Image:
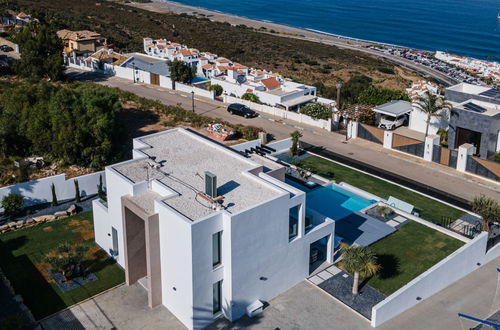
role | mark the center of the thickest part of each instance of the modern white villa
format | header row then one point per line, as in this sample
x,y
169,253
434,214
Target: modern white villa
x,y
207,231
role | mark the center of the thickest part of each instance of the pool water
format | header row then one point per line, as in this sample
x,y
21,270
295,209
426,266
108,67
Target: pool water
x,y
198,79
336,202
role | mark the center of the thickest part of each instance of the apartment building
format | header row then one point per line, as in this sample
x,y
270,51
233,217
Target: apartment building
x,y
208,232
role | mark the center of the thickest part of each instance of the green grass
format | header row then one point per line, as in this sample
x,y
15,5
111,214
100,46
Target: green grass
x,y
23,250
429,209
407,253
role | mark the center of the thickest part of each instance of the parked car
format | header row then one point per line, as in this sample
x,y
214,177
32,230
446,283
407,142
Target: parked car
x,y
5,48
241,110
390,122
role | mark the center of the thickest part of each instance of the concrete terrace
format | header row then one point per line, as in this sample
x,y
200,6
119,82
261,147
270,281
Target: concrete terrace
x,y
185,158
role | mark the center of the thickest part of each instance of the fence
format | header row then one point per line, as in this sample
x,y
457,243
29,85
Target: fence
x,y
483,167
460,227
298,117
371,133
408,145
39,191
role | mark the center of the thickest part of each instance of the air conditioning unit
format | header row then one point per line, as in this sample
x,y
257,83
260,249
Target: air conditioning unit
x,y
210,184
255,308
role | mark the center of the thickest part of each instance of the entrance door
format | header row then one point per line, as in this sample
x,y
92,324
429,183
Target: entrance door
x,y
155,79
467,136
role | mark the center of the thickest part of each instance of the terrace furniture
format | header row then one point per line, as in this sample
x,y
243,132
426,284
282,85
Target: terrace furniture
x,y
399,204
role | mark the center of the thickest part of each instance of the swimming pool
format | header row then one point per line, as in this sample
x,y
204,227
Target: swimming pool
x,y
336,202
198,79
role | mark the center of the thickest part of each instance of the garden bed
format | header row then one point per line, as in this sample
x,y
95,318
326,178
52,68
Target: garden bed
x,y
23,253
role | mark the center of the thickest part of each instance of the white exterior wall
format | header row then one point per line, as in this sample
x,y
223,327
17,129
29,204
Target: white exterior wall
x,y
197,91
176,263
39,191
418,121
457,265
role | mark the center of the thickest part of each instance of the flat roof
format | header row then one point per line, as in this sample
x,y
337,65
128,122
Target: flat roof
x,y
394,108
185,157
479,107
468,88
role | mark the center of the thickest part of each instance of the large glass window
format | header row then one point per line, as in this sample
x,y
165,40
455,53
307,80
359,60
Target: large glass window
x,y
216,249
217,288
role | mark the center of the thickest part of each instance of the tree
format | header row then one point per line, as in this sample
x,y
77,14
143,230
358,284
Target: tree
x,y
488,209
181,72
316,111
250,97
359,260
375,95
77,192
294,149
12,203
432,105
54,196
217,88
41,52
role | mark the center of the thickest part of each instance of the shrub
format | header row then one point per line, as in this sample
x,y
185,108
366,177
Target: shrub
x,y
250,97
384,211
12,203
217,88
386,70
375,95
68,260
496,158
316,111
250,132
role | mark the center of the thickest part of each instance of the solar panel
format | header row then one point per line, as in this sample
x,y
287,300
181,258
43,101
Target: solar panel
x,y
474,107
494,93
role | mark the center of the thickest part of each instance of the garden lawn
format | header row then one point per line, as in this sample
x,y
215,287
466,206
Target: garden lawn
x,y
22,254
429,208
407,253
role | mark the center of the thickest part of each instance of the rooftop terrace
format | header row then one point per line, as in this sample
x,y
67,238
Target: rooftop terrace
x,y
185,157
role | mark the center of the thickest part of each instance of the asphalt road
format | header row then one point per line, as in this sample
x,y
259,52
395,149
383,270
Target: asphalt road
x,y
434,175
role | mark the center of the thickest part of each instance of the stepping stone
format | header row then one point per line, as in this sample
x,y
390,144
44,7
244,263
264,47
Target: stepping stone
x,y
325,275
316,280
399,219
334,270
393,223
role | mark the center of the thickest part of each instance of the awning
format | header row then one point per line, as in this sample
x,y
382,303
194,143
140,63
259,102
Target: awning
x,y
394,108
298,100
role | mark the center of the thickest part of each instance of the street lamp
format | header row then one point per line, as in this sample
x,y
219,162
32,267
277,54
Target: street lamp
x,y
192,99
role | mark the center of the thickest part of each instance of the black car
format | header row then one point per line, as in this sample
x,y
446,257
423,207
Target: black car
x,y
241,110
5,48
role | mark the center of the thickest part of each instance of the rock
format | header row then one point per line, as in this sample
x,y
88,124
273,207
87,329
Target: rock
x,y
4,227
60,214
30,221
71,209
12,224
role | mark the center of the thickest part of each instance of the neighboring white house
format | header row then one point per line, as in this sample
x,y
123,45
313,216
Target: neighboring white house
x,y
207,231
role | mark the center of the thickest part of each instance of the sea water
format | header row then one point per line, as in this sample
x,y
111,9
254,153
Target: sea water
x,y
463,27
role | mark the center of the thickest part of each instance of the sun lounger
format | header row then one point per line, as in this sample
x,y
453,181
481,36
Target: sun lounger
x,y
399,204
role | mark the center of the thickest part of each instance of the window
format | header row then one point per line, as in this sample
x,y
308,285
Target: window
x,y
217,288
293,222
216,249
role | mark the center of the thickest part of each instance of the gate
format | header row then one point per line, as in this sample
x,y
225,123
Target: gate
x,y
483,167
408,145
371,133
154,79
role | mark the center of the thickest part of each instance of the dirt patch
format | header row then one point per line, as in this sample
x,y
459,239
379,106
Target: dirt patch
x,y
84,228
47,229
141,122
96,252
43,269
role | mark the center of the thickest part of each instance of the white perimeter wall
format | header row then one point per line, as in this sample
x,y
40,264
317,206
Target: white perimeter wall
x,y
295,116
457,265
39,191
197,91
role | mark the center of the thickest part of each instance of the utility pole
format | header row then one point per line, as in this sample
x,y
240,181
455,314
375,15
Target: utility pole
x,y
192,98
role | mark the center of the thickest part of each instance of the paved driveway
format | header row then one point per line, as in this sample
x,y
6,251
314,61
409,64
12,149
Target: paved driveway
x,y
125,307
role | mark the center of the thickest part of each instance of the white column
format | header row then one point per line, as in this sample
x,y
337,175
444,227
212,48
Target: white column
x,y
301,230
329,249
388,139
430,142
464,151
352,130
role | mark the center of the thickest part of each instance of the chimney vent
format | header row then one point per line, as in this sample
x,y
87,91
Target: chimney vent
x,y
210,184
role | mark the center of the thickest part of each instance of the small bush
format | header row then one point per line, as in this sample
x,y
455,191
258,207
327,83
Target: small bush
x,y
217,88
497,157
12,203
316,111
386,70
250,132
250,97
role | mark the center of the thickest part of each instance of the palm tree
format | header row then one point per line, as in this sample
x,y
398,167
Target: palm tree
x,y
294,149
488,209
432,105
359,260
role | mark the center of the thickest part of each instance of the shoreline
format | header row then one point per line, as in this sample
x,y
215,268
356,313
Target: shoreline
x,y
288,31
